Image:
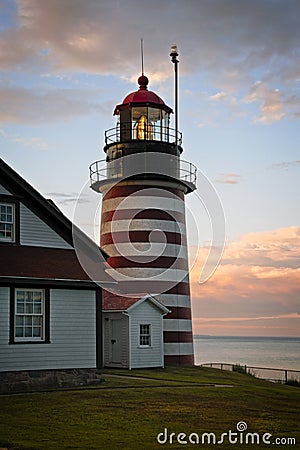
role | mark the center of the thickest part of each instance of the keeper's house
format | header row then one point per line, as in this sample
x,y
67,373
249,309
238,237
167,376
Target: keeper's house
x,y
50,311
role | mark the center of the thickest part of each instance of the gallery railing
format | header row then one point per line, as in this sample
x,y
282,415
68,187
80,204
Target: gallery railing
x,y
129,131
178,169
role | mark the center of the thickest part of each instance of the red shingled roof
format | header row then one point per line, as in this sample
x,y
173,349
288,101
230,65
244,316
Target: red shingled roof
x,y
113,302
39,262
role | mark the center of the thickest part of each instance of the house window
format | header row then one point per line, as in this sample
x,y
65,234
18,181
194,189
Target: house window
x,y
7,222
29,315
145,335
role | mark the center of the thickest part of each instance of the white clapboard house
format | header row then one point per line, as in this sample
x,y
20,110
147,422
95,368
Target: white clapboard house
x,y
50,310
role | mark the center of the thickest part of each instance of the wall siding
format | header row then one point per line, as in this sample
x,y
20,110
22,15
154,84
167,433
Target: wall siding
x,y
72,334
146,357
4,191
35,232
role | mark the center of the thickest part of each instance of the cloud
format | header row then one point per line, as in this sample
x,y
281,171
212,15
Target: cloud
x,y
223,106
103,37
239,40
286,164
219,96
228,178
275,103
67,198
38,106
277,325
271,102
249,319
258,278
32,142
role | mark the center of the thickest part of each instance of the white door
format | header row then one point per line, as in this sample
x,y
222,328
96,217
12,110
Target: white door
x,y
115,341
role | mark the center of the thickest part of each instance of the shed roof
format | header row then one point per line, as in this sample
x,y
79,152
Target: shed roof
x,y
112,302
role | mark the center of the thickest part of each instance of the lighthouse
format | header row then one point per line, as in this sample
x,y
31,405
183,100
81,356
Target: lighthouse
x,y
144,181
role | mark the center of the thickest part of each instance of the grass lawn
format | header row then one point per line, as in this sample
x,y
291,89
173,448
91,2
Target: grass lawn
x,y
129,412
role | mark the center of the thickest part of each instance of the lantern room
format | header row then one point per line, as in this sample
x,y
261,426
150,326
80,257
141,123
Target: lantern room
x,y
142,115
143,131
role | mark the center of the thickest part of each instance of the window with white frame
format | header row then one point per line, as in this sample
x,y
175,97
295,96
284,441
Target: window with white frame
x,y
7,222
145,335
29,315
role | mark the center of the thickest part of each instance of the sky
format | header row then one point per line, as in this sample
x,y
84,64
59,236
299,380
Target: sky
x,y
65,64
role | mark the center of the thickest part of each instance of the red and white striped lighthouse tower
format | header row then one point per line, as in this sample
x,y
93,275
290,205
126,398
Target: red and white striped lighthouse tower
x,y
144,181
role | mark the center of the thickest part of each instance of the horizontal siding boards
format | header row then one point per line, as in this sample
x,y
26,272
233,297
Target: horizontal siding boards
x,y
33,231
3,191
146,313
72,334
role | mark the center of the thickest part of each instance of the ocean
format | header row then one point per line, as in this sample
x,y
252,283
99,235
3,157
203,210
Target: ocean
x,y
274,352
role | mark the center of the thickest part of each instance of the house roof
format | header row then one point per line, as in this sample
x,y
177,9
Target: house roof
x,y
43,262
112,302
40,262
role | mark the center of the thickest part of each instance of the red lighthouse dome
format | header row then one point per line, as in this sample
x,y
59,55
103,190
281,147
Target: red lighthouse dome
x,y
144,96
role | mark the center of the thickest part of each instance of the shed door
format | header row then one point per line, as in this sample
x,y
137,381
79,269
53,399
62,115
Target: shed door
x,y
115,340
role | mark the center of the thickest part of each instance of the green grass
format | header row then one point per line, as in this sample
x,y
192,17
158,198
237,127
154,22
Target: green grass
x,y
128,413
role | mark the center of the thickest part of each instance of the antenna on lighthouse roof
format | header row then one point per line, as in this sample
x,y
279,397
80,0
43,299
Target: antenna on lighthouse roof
x,y
142,55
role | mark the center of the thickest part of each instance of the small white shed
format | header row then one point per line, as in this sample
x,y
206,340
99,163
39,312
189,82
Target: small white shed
x,y
132,332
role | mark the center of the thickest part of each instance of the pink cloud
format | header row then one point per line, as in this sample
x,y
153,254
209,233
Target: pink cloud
x,y
257,284
229,178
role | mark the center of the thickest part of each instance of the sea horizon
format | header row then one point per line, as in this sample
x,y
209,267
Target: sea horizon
x,y
281,352
243,336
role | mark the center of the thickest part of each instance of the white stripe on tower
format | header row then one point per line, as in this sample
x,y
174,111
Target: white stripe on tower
x,y
142,201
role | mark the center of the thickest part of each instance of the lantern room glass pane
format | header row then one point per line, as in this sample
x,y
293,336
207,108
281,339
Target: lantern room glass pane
x,y
154,115
138,112
143,128
165,126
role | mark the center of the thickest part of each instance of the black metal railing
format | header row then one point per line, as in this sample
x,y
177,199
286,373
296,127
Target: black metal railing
x,y
266,373
178,169
129,131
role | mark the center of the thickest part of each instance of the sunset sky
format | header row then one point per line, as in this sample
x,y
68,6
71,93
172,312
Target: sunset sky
x,y
65,64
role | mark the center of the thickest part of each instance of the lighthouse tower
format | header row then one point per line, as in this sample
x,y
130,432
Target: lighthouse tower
x,y
143,181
